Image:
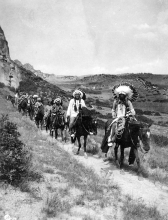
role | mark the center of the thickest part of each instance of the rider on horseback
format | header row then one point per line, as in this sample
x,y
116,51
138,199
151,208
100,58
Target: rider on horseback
x,y
22,97
75,105
38,103
56,109
122,106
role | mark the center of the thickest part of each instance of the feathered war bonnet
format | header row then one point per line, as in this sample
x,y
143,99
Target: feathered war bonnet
x,y
127,89
77,91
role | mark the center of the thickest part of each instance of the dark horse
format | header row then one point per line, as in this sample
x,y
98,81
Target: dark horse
x,y
22,106
39,115
59,123
12,99
134,132
85,124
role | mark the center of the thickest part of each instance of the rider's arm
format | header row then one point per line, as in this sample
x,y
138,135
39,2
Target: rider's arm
x,y
69,108
131,108
113,111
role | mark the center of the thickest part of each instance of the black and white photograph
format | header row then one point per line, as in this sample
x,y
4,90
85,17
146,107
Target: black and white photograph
x,y
83,110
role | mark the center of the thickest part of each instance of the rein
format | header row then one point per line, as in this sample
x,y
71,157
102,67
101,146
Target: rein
x,y
83,125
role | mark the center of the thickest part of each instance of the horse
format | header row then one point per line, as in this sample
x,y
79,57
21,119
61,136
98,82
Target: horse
x,y
30,108
48,122
22,106
12,99
39,115
133,133
59,123
84,126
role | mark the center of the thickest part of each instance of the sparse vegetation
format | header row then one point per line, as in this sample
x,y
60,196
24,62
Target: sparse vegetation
x,y
62,173
140,211
15,157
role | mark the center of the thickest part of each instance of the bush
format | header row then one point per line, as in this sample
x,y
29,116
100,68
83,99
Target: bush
x,y
161,141
2,85
14,158
12,89
144,119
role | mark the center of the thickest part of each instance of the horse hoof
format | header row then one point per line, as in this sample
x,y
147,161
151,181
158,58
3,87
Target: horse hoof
x,y
105,159
122,172
117,164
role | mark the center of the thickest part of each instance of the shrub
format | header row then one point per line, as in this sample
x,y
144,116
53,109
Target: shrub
x,y
2,85
144,119
139,111
12,89
14,158
161,141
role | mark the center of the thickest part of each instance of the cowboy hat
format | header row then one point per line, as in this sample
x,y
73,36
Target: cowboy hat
x,y
35,96
58,99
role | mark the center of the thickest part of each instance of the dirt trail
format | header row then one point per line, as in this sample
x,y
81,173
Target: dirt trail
x,y
130,184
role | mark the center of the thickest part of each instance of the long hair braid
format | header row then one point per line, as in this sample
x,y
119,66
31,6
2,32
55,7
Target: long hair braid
x,y
75,107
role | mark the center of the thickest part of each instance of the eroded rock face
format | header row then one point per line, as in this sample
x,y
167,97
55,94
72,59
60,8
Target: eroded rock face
x,y
9,72
4,49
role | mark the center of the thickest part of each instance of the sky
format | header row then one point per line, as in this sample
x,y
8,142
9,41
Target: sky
x,y
79,37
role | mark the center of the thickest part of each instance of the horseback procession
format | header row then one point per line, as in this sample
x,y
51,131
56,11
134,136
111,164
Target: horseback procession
x,y
122,131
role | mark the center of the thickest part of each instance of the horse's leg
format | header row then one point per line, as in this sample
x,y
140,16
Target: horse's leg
x,y
84,145
62,135
121,156
56,133
79,145
116,155
137,160
41,124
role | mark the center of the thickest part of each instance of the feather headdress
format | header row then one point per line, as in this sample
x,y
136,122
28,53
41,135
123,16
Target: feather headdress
x,y
127,89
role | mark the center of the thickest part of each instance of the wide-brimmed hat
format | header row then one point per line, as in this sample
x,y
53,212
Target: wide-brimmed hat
x,y
77,92
35,96
126,89
57,100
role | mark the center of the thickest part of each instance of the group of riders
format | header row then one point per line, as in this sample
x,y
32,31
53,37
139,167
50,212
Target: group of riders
x,y
122,106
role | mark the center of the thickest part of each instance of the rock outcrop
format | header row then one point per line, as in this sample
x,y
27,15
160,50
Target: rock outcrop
x,y
9,72
4,49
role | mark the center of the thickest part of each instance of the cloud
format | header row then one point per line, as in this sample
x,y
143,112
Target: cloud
x,y
144,26
150,36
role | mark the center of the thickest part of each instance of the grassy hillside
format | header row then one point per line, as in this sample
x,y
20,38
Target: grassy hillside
x,y
67,189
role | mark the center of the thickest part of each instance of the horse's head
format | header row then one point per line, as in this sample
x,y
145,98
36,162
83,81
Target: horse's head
x,y
144,136
28,102
60,119
94,125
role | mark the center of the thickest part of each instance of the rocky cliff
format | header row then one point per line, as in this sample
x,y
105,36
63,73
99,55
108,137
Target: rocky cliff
x,y
4,49
9,72
24,77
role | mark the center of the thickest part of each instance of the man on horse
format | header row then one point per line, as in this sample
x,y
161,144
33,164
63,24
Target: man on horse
x,y
38,103
75,105
122,107
56,109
